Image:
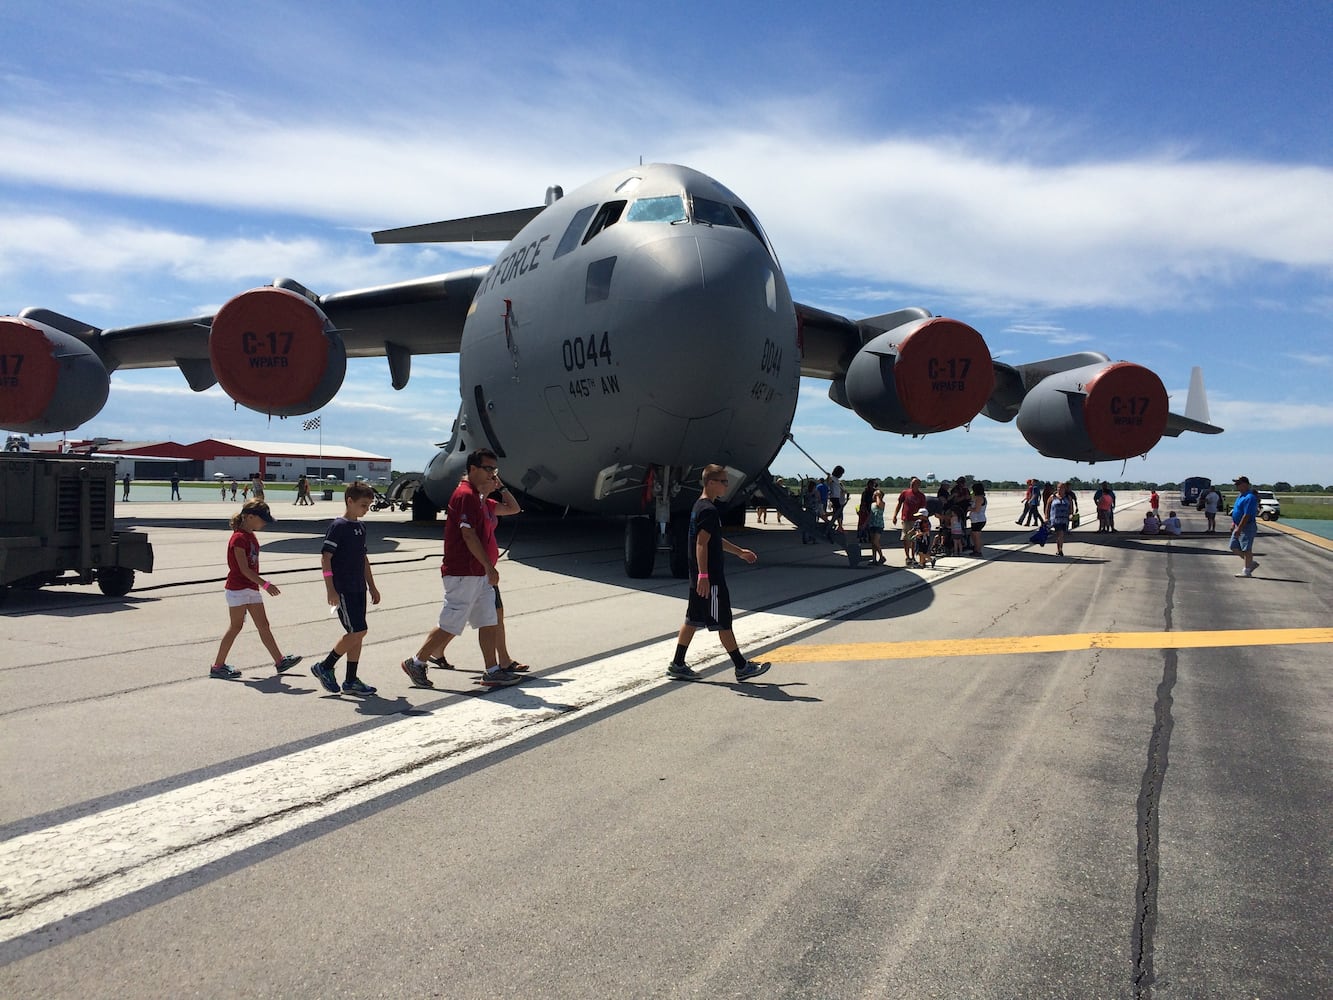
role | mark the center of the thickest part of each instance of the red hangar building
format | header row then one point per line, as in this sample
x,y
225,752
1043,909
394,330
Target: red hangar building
x,y
276,461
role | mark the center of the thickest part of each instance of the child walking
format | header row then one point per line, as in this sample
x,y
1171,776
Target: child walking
x,y
243,588
347,576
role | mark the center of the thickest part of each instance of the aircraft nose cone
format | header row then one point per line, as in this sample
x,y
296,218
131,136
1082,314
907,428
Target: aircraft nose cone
x,y
714,297
715,342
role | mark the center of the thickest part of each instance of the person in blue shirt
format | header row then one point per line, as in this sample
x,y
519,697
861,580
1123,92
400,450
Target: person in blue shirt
x,y
1245,524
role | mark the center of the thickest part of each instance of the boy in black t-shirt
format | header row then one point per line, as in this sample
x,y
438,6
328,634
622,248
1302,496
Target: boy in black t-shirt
x,y
347,575
709,602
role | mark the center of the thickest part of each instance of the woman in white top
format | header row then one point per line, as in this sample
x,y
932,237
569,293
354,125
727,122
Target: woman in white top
x,y
977,515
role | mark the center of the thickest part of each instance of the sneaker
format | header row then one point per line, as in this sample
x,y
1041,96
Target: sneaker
x,y
442,663
324,674
499,677
223,672
357,686
680,672
287,662
1246,572
751,670
417,671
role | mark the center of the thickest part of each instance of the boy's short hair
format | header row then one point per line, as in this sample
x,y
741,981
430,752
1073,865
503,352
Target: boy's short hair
x,y
478,458
358,491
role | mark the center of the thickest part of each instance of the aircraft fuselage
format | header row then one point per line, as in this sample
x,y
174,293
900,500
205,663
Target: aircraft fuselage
x,y
642,321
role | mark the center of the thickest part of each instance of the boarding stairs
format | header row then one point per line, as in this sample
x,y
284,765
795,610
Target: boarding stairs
x,y
789,506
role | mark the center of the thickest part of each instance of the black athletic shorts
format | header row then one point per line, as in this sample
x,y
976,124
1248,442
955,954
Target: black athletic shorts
x,y
352,611
712,612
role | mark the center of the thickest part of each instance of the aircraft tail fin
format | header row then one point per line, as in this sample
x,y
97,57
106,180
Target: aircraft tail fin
x,y
1196,403
1196,416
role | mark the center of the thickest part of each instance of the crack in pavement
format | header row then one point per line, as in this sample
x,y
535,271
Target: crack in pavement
x,y
1150,797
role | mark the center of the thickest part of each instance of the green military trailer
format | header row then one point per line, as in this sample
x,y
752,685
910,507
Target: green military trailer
x,y
57,525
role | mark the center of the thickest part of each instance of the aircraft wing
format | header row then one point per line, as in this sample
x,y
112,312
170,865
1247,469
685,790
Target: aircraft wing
x,y
501,226
278,349
424,315
828,342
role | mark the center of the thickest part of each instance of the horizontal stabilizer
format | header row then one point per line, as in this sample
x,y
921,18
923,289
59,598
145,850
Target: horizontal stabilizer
x,y
1177,425
496,227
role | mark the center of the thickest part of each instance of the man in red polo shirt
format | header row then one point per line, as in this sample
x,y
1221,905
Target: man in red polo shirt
x,y
470,575
910,501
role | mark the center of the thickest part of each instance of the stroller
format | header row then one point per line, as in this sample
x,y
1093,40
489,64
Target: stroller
x,y
941,541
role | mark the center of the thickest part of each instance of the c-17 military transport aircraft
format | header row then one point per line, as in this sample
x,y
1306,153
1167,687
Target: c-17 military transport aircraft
x,y
628,334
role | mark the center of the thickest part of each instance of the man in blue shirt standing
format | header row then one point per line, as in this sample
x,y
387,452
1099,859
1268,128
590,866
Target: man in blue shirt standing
x,y
1245,523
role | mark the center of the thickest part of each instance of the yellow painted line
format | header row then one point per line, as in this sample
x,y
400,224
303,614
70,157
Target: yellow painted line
x,y
1305,536
918,649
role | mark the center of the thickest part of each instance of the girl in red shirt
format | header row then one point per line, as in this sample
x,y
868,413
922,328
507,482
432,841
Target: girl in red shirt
x,y
243,588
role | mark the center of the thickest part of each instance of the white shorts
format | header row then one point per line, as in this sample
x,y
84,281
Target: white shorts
x,y
240,598
468,600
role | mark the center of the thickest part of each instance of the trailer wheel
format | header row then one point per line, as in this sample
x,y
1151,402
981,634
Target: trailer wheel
x,y
115,581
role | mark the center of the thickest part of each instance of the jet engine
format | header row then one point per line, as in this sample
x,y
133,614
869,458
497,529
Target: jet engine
x,y
275,351
49,380
926,375
1096,412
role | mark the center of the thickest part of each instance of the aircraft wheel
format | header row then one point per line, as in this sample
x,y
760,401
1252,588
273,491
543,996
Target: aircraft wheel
x,y
640,547
115,581
679,533
422,508
4,592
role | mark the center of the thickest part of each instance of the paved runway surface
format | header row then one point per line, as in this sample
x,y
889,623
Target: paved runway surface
x,y
1099,776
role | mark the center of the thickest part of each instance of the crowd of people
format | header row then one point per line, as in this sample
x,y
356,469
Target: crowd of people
x,y
951,522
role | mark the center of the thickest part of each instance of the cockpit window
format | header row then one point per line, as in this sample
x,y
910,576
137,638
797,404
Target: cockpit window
x,y
752,224
608,216
574,230
670,208
714,213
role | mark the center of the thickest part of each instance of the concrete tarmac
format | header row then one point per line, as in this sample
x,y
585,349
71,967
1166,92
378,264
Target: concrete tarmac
x,y
1111,781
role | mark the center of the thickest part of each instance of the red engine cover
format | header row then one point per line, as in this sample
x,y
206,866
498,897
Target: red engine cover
x,y
49,380
28,372
1125,410
276,352
943,374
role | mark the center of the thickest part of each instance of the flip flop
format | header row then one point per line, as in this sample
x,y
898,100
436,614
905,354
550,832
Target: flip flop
x,y
517,668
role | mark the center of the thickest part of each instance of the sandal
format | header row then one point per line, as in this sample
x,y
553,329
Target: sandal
x,y
517,668
442,663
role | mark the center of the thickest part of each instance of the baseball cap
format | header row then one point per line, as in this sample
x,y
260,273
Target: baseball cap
x,y
922,511
264,514
1241,479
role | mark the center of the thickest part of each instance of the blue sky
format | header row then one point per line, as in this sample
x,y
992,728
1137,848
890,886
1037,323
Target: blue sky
x,y
1154,181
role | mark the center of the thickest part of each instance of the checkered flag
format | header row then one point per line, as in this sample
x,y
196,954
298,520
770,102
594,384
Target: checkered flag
x,y
311,424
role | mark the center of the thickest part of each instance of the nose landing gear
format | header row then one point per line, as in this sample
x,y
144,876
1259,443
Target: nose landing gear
x,y
646,535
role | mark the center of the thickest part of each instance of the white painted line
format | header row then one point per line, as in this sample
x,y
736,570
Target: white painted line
x,y
53,874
